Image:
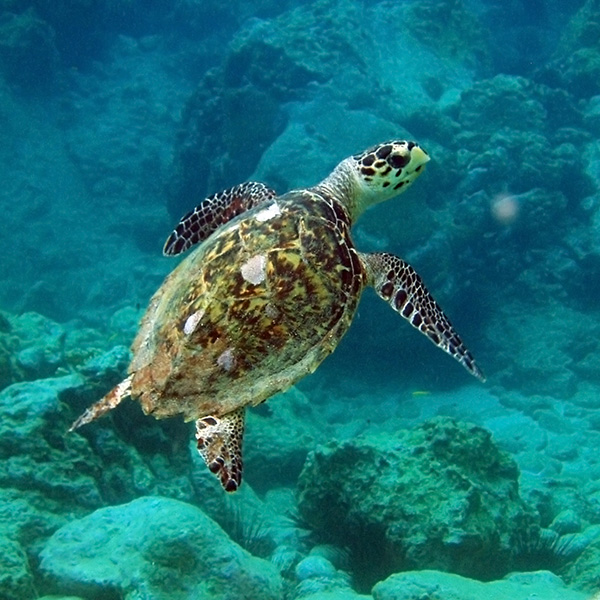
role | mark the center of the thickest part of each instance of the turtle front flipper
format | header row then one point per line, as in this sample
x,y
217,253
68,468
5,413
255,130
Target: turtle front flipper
x,y
214,211
108,402
403,289
220,445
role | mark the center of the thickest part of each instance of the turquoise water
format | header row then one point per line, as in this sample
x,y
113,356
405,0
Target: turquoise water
x,y
389,473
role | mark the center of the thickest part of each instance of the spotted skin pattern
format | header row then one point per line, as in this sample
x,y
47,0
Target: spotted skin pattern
x,y
214,211
380,161
110,401
403,289
219,442
265,297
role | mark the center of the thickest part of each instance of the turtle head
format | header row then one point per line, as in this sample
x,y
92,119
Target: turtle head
x,y
377,174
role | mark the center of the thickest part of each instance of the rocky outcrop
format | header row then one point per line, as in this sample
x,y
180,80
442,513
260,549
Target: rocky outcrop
x,y
441,496
154,548
517,586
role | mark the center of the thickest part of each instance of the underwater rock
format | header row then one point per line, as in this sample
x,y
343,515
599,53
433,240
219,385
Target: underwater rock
x,y
575,65
236,111
16,579
34,347
125,322
439,496
567,521
179,553
31,347
10,371
503,101
314,566
325,52
591,117
515,103
584,572
336,594
39,456
35,452
107,368
60,598
541,367
28,55
302,150
434,584
452,28
285,430
317,576
29,517
515,130
260,528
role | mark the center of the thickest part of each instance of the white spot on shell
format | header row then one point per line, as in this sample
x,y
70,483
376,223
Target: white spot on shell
x,y
254,270
271,311
268,213
192,322
226,360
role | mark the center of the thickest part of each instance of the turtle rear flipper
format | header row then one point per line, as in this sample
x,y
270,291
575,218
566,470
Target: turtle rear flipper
x,y
403,289
214,211
108,402
220,445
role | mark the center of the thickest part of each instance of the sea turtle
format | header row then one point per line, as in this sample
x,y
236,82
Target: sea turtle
x,y
267,294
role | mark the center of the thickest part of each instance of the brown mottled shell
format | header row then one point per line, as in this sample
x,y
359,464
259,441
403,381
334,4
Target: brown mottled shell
x,y
252,310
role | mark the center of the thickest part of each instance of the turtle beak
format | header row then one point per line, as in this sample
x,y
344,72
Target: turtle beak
x,y
419,156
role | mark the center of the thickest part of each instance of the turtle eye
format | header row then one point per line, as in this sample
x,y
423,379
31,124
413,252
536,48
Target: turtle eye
x,y
400,160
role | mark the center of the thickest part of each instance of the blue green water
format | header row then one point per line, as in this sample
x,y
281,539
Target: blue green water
x,y
390,472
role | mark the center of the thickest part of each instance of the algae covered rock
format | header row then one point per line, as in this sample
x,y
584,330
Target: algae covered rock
x,y
451,27
441,496
36,454
33,347
28,55
60,598
154,548
285,430
584,571
510,128
236,111
74,473
446,586
575,64
318,579
16,579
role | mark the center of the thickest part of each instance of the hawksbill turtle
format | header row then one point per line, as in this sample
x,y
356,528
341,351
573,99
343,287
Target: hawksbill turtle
x,y
267,294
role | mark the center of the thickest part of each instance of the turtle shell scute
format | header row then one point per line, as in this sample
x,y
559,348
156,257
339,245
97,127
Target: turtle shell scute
x,y
253,309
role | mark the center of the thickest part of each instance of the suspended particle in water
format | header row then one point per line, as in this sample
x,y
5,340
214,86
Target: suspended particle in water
x,y
505,209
